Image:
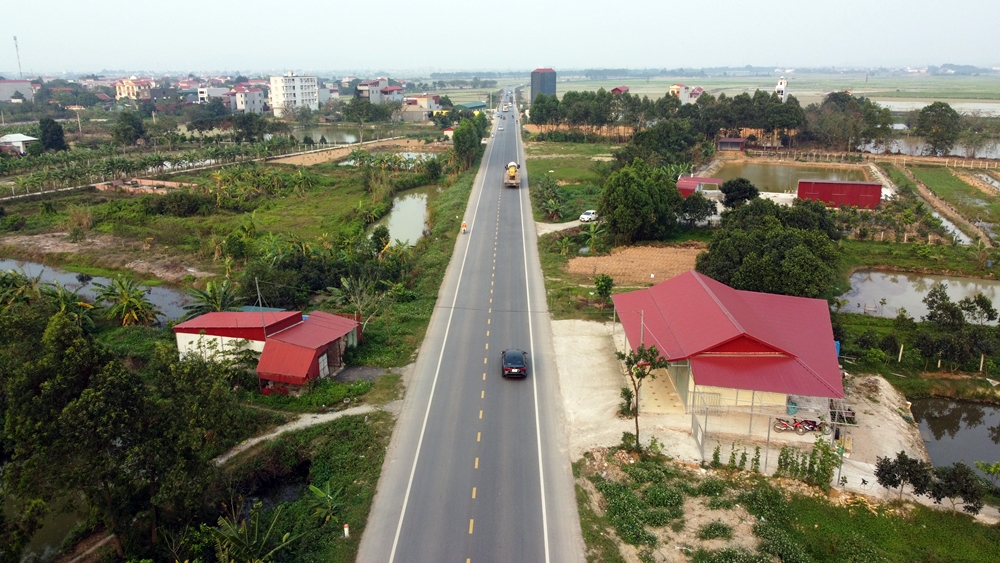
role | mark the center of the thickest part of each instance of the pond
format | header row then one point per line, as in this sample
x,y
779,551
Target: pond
x,y
868,288
55,527
332,133
958,430
785,178
408,217
169,301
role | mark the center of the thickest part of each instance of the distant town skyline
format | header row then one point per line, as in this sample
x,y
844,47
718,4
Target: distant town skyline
x,y
60,36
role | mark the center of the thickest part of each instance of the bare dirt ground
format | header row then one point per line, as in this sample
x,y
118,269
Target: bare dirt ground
x,y
402,145
633,265
111,251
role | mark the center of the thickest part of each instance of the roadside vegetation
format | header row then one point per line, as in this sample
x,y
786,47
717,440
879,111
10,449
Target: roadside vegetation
x,y
650,505
124,414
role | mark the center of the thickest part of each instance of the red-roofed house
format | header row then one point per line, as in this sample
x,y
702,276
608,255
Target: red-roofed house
x,y
392,94
619,90
736,349
687,185
294,349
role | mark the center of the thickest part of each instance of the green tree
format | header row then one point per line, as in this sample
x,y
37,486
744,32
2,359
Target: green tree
x,y
697,208
127,129
639,364
359,111
639,202
127,301
604,283
958,481
249,127
51,137
217,296
738,191
940,125
466,142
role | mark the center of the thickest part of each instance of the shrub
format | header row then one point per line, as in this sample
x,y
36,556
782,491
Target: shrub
x,y
625,512
712,487
662,496
715,530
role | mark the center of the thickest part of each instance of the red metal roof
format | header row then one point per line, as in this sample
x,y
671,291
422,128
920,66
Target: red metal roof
x,y
290,356
866,195
732,140
737,339
240,324
542,70
392,88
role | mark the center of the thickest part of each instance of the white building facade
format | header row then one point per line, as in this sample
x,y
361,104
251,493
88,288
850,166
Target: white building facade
x,y
207,93
243,99
290,92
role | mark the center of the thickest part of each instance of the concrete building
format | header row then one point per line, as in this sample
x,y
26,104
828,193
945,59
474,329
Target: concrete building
x,y
782,89
244,98
9,87
290,92
134,88
206,93
685,93
543,81
327,93
392,94
426,101
371,90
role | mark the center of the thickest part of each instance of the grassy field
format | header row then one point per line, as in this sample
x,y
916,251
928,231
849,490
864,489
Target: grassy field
x,y
572,165
810,88
972,203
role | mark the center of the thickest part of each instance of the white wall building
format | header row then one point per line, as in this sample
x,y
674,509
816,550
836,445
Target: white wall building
x,y
327,93
292,92
207,93
782,89
244,99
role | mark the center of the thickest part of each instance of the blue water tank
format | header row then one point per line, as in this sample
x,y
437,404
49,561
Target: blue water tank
x,y
837,344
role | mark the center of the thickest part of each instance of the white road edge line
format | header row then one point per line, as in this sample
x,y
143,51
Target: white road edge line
x,y
437,371
531,343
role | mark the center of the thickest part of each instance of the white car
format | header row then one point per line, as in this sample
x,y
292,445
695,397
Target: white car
x,y
500,128
588,216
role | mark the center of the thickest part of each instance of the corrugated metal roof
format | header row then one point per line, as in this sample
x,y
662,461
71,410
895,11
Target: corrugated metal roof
x,y
695,317
238,319
286,362
319,329
290,356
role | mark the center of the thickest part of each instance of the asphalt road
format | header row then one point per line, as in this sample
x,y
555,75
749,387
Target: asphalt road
x,y
477,469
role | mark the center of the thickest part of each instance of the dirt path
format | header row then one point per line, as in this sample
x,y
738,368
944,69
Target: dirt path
x,y
546,228
304,421
320,156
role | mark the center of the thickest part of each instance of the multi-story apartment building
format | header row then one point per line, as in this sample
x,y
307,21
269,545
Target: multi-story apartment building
x,y
290,92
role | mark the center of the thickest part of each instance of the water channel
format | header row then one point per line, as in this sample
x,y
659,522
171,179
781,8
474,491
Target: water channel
x,y
169,301
785,178
958,430
408,217
906,290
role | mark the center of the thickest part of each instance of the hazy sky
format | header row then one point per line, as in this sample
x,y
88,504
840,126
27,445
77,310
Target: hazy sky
x,y
443,35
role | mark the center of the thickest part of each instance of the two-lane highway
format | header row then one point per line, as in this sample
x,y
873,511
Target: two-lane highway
x,y
477,470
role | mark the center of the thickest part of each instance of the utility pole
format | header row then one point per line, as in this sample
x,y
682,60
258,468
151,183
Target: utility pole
x,y
18,51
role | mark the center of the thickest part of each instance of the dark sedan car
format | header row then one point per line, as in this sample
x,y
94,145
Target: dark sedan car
x,y
515,363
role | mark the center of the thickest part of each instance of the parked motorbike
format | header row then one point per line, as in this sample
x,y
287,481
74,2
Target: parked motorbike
x,y
782,425
803,426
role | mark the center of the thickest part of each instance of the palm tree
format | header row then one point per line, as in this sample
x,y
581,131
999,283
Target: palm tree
x,y
127,301
71,304
219,296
